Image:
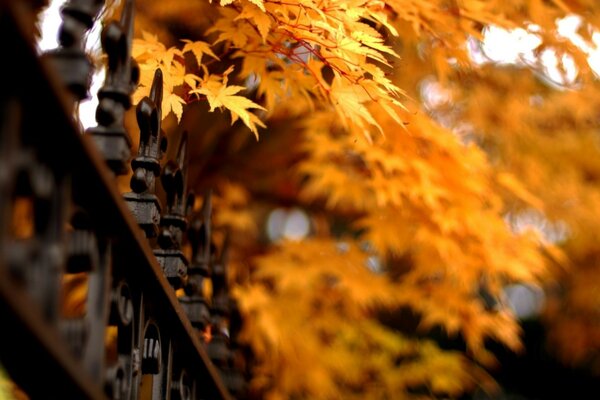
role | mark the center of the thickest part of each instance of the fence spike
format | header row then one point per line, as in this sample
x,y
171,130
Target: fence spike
x,y
143,201
122,77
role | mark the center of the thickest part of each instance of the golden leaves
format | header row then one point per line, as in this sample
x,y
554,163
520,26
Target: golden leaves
x,y
424,196
329,284
198,49
349,101
174,104
433,209
294,45
304,39
231,210
219,94
261,20
548,139
151,54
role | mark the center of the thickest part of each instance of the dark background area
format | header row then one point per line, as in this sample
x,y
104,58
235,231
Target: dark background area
x,y
536,374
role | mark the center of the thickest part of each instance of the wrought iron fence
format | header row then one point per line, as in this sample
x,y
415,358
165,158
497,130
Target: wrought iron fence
x,y
62,218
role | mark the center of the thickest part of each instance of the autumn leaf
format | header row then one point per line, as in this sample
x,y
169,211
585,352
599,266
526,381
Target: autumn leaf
x,y
175,104
349,101
220,95
198,49
260,18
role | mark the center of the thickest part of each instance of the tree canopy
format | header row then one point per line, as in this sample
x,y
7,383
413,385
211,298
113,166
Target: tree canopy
x,y
418,205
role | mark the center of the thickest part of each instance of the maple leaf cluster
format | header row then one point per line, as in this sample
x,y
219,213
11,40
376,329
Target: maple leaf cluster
x,y
178,83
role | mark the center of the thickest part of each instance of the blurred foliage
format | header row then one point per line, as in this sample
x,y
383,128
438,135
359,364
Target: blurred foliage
x,y
348,140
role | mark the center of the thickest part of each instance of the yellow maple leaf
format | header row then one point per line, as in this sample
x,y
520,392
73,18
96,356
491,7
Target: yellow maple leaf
x,y
349,101
219,94
148,45
173,103
260,18
198,49
375,42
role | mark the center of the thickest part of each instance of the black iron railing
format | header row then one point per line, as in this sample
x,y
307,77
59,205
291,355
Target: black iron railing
x,y
62,217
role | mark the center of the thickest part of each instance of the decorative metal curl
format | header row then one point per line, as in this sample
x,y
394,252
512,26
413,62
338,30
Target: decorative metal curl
x,y
151,350
121,380
182,388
